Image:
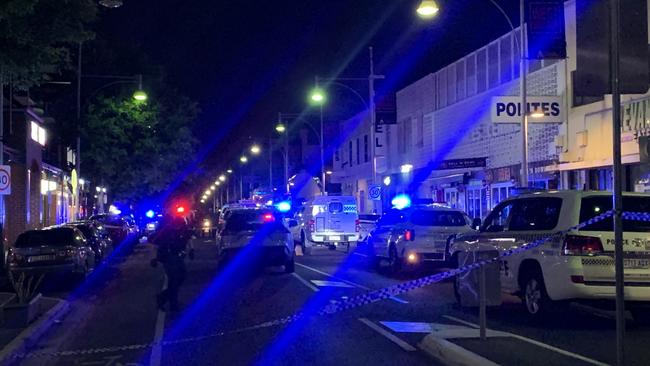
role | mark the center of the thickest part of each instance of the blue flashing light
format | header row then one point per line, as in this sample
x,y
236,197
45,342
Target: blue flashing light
x,y
150,214
401,201
284,206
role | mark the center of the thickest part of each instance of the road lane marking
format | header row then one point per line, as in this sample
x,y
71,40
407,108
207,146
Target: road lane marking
x,y
305,282
156,351
390,336
320,283
537,343
346,281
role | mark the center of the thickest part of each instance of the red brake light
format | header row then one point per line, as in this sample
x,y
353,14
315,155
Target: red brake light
x,y
409,235
582,245
180,209
357,224
268,217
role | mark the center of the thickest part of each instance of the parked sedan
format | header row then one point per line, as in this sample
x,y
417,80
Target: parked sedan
x,y
100,243
117,228
62,249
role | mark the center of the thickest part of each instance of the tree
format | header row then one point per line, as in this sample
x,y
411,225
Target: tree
x,y
35,36
138,149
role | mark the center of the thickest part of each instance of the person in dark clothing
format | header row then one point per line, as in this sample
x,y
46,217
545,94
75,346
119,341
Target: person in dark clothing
x,y
172,240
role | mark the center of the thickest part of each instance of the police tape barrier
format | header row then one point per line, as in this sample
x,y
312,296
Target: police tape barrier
x,y
337,306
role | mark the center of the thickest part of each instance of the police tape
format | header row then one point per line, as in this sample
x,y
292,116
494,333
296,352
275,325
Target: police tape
x,y
337,306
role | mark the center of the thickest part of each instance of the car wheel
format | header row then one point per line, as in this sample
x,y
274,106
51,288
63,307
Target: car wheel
x,y
394,261
534,296
449,259
290,266
303,243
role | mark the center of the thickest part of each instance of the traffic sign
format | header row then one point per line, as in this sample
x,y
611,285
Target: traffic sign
x,y
374,192
5,179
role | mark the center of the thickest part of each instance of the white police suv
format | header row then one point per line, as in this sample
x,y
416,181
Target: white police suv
x,y
573,265
417,234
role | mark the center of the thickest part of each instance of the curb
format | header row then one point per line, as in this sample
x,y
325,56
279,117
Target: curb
x,y
451,354
30,335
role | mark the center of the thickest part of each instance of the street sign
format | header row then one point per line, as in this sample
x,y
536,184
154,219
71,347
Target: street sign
x,y
5,179
508,109
374,192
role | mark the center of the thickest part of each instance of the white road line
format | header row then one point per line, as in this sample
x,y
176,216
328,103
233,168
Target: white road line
x,y
304,281
156,350
537,343
348,282
360,254
391,337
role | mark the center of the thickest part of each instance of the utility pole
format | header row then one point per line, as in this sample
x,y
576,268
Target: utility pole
x,y
77,206
271,164
618,181
2,148
523,71
322,146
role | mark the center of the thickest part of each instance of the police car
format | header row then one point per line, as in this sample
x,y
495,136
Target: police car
x,y
576,265
256,235
417,234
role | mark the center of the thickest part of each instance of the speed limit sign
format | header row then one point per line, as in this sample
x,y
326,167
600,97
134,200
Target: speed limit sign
x,y
5,179
374,192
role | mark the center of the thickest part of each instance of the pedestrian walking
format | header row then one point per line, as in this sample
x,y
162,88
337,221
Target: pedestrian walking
x,y
172,240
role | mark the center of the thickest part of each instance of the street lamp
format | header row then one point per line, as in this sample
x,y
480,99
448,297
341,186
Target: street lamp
x,y
111,3
213,187
140,95
428,9
229,171
255,149
281,128
222,178
317,96
243,159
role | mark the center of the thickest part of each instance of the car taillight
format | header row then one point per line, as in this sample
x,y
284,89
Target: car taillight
x,y
582,245
312,226
409,235
268,217
357,224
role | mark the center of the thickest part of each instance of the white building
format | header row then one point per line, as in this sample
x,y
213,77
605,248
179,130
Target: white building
x,y
445,145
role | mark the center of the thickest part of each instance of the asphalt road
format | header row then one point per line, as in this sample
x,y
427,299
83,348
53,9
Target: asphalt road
x,y
114,319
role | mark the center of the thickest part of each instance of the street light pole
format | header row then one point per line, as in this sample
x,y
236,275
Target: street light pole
x,y
322,146
77,206
524,103
271,163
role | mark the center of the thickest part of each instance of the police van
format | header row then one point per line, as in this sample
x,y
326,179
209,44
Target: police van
x,y
574,265
326,220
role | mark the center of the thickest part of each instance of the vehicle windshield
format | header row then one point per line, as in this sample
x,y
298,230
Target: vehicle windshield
x,y
50,237
438,218
593,206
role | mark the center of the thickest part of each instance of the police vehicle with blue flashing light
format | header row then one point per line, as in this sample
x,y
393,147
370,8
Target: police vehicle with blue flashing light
x,y
326,220
259,235
413,235
573,265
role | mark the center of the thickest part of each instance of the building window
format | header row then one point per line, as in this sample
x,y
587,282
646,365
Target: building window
x,y
505,51
517,58
38,133
350,152
366,155
451,84
401,136
358,152
493,65
481,71
442,88
408,136
470,74
460,80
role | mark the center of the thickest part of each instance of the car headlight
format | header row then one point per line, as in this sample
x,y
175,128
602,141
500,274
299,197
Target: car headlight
x,y
206,223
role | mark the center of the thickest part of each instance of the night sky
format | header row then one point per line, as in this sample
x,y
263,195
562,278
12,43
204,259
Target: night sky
x,y
244,61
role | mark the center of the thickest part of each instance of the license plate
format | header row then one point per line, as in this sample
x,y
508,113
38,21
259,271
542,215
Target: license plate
x,y
335,237
636,263
40,258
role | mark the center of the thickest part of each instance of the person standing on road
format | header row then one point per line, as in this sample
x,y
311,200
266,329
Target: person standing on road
x,y
172,240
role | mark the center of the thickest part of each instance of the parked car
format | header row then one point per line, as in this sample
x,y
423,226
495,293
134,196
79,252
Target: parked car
x,y
326,220
576,265
259,232
100,243
416,235
116,227
61,249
